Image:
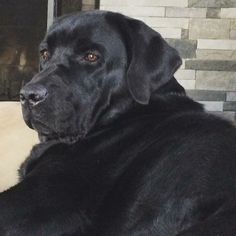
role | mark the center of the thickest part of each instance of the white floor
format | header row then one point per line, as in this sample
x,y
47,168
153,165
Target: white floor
x,y
16,140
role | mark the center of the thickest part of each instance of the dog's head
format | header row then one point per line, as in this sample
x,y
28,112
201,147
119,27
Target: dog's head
x,y
94,65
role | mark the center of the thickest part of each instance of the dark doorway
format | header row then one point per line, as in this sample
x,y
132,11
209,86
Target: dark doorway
x,y
23,24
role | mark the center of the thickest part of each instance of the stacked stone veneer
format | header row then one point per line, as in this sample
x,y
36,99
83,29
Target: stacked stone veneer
x,y
204,33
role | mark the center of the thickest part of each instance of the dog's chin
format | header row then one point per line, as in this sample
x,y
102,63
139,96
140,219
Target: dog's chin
x,y
28,123
46,134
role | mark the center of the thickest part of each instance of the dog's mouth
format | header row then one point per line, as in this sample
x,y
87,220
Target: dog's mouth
x,y
72,138
46,135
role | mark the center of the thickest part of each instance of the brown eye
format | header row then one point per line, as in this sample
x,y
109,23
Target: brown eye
x,y
44,55
91,57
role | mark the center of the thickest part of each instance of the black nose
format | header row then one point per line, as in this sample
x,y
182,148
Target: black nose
x,y
33,94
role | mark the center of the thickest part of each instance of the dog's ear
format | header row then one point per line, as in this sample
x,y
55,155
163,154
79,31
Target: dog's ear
x,y
151,61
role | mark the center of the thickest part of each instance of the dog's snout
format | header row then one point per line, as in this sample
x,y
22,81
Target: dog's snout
x,y
33,94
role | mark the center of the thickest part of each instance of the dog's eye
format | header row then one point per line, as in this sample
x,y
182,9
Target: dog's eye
x,y
91,57
44,54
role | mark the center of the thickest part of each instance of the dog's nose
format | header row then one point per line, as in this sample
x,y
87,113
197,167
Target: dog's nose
x,y
33,94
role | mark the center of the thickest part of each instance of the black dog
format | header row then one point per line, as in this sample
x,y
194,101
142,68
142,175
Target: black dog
x,y
123,151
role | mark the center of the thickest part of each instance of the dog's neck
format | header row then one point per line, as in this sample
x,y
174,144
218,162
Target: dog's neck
x,y
120,107
161,106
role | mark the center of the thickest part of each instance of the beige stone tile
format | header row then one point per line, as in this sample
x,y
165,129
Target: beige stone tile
x,y
216,44
185,75
165,22
232,34
177,3
233,24
216,54
182,67
209,28
187,84
216,80
228,13
171,33
185,12
136,10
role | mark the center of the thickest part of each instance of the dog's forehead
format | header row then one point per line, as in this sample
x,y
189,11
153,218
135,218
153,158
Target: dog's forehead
x,y
91,25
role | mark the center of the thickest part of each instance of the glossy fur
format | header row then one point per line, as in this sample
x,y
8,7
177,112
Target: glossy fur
x,y
123,152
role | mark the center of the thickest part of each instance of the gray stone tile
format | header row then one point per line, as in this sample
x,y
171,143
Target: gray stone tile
x,y
212,3
229,106
228,115
184,34
212,105
207,95
231,96
211,65
186,48
213,12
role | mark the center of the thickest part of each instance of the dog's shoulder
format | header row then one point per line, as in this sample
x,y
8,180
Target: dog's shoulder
x,y
182,118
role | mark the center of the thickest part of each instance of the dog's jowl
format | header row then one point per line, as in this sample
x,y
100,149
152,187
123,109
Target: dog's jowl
x,y
123,151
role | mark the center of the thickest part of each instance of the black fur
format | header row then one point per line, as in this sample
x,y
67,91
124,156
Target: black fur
x,y
123,151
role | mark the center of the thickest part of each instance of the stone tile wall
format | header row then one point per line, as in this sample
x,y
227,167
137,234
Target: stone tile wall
x,y
204,33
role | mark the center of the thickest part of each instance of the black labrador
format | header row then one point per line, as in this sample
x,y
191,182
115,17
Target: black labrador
x,y
123,151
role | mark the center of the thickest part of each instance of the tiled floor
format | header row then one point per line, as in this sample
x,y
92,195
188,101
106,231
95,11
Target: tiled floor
x,y
16,140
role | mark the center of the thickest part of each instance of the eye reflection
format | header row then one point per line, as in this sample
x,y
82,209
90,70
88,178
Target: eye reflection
x,y
91,57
